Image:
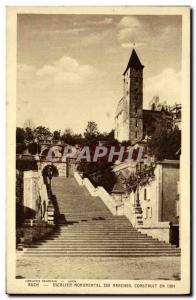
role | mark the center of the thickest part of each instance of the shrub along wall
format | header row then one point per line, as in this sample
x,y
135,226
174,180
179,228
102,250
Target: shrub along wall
x,y
26,165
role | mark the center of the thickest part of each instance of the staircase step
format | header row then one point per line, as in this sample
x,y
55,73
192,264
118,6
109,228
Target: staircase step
x,y
104,245
112,242
139,254
101,251
101,247
98,233
89,229
88,240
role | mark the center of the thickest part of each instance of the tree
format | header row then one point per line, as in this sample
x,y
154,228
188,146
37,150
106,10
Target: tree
x,y
110,135
20,148
165,144
56,135
20,135
67,137
78,139
91,132
105,136
99,173
42,132
140,178
34,148
29,134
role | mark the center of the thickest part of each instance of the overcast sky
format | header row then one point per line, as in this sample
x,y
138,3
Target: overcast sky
x,y
70,66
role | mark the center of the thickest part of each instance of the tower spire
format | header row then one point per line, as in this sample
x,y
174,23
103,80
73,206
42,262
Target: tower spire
x,y
134,62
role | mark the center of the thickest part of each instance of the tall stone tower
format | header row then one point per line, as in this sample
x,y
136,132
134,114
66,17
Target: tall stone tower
x,y
133,93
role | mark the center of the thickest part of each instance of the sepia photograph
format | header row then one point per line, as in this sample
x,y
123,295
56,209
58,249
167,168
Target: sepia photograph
x,y
98,138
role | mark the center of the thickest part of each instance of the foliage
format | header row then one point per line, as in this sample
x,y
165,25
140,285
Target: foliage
x,y
29,135
56,135
42,132
165,144
99,173
106,136
140,178
34,148
20,148
91,132
70,138
26,165
20,135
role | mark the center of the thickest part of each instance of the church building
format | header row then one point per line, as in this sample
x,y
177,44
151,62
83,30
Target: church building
x,y
132,122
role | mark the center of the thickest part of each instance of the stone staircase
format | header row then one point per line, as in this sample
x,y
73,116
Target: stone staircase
x,y
87,228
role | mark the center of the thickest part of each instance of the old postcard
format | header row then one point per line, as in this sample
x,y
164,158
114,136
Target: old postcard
x,y
98,150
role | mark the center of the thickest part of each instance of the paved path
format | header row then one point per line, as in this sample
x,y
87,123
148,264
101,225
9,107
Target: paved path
x,y
99,268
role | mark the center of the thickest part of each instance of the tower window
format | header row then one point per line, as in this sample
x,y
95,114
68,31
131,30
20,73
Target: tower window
x,y
145,194
136,123
136,134
136,109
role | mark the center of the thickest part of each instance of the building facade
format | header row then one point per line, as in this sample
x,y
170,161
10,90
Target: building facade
x,y
153,208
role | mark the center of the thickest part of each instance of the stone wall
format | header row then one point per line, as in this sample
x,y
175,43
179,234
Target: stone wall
x,y
19,187
158,201
170,192
35,196
60,166
136,105
122,121
31,191
34,220
31,233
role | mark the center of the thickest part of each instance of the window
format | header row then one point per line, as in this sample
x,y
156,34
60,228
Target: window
x,y
136,109
136,134
148,212
145,194
136,123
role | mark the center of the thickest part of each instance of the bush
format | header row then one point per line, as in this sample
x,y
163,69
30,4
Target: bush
x,y
166,144
34,148
26,165
99,173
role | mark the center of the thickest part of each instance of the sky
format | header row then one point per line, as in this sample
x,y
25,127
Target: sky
x,y
69,67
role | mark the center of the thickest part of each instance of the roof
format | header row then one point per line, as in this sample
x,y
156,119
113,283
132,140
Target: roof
x,y
156,112
134,62
168,162
118,187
